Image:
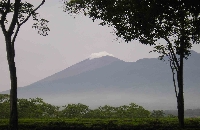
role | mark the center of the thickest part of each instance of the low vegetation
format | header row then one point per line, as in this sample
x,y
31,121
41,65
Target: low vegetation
x,y
35,114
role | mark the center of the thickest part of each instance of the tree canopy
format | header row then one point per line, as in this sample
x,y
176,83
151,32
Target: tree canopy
x,y
146,21
37,108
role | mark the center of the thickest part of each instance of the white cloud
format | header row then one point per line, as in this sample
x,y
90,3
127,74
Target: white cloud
x,y
98,55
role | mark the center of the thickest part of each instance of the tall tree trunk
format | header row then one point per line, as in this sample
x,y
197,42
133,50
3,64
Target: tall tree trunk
x,y
180,85
180,74
13,122
180,95
13,97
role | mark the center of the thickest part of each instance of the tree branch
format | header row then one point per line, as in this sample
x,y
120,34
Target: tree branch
x,y
172,63
1,12
3,17
14,38
32,13
3,27
172,52
15,17
15,35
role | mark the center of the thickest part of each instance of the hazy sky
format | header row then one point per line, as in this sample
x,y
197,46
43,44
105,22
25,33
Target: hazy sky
x,y
69,41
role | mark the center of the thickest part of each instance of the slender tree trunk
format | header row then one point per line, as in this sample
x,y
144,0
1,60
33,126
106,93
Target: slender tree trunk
x,y
180,86
13,122
180,75
13,97
181,97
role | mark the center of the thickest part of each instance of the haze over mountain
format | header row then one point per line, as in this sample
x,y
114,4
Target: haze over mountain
x,y
104,79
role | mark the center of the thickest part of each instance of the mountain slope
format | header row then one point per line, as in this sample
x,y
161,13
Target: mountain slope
x,y
83,66
108,80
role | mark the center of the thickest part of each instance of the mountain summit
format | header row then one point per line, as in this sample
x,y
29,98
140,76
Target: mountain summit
x,y
89,64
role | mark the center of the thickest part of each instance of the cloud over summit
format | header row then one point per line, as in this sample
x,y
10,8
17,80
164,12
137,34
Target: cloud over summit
x,y
100,54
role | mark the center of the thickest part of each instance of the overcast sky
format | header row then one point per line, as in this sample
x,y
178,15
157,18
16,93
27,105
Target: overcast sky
x,y
69,41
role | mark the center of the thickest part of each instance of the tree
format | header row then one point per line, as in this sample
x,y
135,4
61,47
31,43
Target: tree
x,y
28,108
4,105
135,111
157,114
21,13
176,22
132,111
126,111
49,111
107,111
74,110
36,108
122,111
95,113
4,98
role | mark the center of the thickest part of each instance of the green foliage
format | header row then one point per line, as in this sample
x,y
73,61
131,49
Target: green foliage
x,y
107,111
146,21
132,111
28,108
4,98
135,111
34,113
4,106
157,114
171,116
99,124
96,113
74,110
36,108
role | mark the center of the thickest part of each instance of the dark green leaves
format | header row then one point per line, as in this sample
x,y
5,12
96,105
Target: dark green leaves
x,y
41,26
